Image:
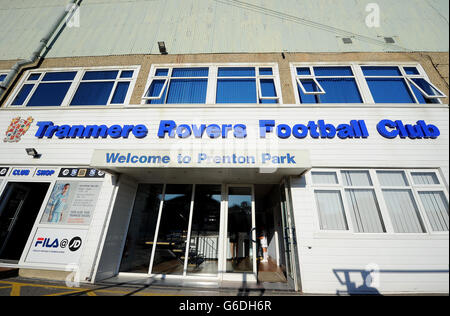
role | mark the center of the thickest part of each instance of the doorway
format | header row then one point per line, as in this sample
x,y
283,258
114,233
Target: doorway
x,y
186,231
19,206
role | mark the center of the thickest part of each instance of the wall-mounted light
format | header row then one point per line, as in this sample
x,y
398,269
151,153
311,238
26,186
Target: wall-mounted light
x,y
162,48
33,152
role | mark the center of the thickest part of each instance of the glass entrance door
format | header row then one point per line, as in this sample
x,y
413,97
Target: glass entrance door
x,y
240,237
19,206
289,237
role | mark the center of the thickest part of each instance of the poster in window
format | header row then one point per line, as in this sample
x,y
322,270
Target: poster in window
x,y
72,203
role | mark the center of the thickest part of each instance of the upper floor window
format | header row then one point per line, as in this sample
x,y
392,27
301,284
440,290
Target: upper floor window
x,y
201,84
364,84
77,87
327,85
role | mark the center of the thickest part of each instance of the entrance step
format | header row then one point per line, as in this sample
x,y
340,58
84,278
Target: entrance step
x,y
44,274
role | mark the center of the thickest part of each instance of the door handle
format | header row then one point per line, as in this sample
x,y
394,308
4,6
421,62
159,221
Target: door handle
x,y
251,233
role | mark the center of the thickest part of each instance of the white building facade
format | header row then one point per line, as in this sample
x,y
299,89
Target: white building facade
x,y
173,167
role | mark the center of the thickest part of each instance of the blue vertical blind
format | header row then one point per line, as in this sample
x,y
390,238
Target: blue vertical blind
x,y
240,85
338,84
184,86
236,91
388,84
95,88
103,87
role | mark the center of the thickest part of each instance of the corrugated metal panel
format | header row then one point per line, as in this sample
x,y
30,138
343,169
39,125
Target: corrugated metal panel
x,y
115,27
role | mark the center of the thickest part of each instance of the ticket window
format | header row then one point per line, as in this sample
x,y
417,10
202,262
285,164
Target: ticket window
x,y
19,206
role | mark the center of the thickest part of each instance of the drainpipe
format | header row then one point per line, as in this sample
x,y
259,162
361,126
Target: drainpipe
x,y
37,53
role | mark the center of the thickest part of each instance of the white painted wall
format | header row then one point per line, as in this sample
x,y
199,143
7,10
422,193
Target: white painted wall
x,y
331,262
321,254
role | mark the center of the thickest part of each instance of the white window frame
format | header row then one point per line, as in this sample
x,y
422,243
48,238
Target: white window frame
x,y
377,188
75,83
361,82
212,81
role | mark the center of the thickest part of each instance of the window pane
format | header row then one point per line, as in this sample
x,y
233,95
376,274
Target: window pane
x,y
392,178
2,77
93,93
303,71
155,91
339,91
59,76
333,71
308,98
390,90
187,91
265,72
237,72
365,212
239,247
141,232
403,210
419,96
426,86
23,94
381,71
411,70
436,208
49,94
127,74
309,85
190,72
324,177
204,245
120,93
236,91
100,75
173,230
162,72
357,178
425,178
268,88
331,210
33,77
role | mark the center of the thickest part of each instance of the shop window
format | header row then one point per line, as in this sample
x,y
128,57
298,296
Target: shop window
x,y
327,85
411,201
78,87
212,85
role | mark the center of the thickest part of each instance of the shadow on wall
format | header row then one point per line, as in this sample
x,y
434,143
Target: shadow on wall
x,y
370,279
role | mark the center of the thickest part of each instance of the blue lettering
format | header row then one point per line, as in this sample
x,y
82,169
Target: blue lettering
x,y
166,127
382,129
265,126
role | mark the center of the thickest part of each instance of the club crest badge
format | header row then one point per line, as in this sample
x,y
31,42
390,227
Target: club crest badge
x,y
17,129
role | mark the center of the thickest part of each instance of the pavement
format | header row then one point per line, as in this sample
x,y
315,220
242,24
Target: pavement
x,y
18,286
